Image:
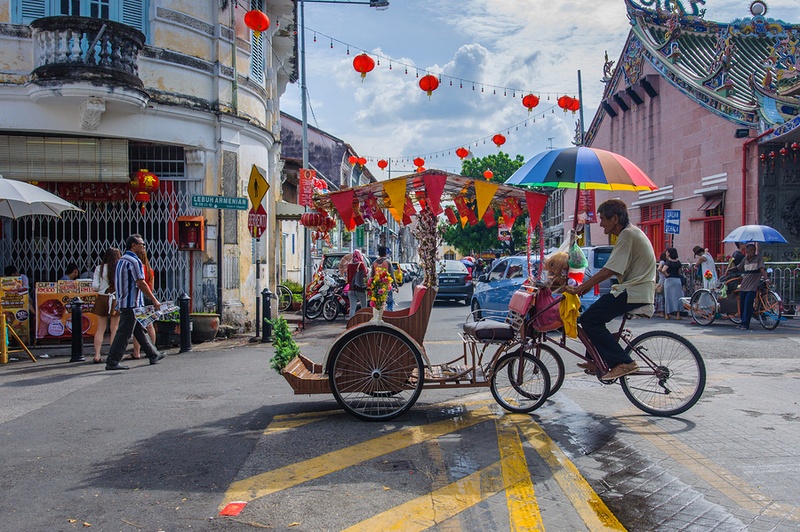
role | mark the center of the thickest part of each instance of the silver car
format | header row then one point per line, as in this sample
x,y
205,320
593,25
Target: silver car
x,y
455,281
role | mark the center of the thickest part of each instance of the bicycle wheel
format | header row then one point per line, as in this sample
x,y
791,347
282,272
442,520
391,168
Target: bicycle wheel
x,y
671,375
284,298
314,308
520,382
375,372
552,361
703,306
768,309
330,309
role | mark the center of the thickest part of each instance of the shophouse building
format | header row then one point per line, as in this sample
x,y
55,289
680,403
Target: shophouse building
x,y
94,91
710,111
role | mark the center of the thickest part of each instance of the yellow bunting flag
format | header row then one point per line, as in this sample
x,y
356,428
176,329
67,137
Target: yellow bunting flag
x,y
484,192
396,194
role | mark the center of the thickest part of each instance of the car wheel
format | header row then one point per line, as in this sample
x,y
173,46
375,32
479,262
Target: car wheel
x,y
475,308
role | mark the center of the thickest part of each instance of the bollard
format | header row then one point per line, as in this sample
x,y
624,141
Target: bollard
x,y
77,330
266,307
186,324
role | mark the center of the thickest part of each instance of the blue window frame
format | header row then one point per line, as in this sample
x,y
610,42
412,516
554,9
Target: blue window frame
x,y
130,12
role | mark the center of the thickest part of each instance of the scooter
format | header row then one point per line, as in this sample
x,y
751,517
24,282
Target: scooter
x,y
336,302
316,300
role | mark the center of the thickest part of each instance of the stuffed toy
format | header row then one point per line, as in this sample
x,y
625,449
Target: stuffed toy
x,y
557,267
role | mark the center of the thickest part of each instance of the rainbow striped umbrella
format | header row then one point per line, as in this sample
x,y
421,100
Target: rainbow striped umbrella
x,y
580,167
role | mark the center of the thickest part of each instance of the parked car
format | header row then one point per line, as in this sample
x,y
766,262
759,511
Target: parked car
x,y
409,273
597,257
455,281
494,289
331,260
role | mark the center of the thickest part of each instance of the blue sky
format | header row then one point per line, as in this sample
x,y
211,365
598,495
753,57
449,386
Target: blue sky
x,y
533,45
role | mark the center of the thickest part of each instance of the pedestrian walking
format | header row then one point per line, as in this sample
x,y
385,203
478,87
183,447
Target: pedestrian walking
x,y
150,279
105,307
751,266
658,302
673,288
357,279
131,286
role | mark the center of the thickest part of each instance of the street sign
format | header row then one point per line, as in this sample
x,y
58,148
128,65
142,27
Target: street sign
x,y
257,221
672,221
219,202
306,188
258,186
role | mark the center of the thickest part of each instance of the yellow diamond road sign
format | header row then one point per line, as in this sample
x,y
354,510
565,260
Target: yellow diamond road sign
x,y
258,186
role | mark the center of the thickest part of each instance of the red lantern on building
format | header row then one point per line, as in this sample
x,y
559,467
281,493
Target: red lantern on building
x,y
784,151
142,184
564,103
352,159
488,174
256,20
363,63
429,84
419,161
574,105
462,153
362,161
382,164
530,101
499,140
795,147
311,219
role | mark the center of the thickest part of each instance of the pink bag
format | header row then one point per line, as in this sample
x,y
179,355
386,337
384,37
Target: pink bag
x,y
549,319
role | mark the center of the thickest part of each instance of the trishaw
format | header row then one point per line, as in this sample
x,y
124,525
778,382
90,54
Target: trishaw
x,y
708,304
378,367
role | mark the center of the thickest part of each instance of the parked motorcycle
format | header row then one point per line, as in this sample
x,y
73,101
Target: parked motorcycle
x,y
336,302
317,293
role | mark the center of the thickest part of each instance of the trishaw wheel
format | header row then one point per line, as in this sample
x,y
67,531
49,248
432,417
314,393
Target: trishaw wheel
x,y
376,373
671,376
520,382
768,307
703,307
552,361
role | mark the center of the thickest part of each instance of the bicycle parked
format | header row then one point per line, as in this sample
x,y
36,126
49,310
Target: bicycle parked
x,y
706,305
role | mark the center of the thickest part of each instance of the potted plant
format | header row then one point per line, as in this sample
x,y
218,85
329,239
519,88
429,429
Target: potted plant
x,y
297,294
168,330
204,326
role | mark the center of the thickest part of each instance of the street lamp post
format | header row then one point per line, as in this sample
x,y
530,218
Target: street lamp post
x,y
379,5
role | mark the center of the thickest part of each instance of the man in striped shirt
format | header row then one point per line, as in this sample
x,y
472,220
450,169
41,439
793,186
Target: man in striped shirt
x,y
130,284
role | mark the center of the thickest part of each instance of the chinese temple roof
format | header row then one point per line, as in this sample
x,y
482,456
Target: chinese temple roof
x,y
745,70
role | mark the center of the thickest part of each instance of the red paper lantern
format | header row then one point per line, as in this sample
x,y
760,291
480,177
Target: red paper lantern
x,y
462,153
488,174
784,152
256,20
530,101
574,105
429,84
382,164
499,140
142,184
362,161
363,63
564,102
352,159
762,157
311,219
795,146
419,161
772,155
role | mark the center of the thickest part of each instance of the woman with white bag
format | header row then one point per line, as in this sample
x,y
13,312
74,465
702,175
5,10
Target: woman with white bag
x,y
105,307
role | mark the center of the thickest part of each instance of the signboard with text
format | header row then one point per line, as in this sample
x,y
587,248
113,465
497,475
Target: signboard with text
x,y
257,221
672,221
219,202
306,189
586,208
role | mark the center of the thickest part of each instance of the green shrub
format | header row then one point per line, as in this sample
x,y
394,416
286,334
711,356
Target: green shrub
x,y
296,288
285,347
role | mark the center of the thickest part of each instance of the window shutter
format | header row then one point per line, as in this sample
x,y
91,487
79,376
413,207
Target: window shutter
x,y
257,47
133,14
30,10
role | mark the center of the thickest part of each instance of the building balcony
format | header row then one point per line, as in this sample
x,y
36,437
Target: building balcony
x,y
86,60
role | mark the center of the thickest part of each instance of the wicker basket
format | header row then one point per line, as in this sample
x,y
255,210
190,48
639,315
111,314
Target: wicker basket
x,y
305,377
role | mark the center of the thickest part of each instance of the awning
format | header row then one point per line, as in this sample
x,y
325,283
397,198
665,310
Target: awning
x,y
288,211
711,203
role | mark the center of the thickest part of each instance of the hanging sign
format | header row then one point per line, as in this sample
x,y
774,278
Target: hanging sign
x,y
306,189
586,206
503,232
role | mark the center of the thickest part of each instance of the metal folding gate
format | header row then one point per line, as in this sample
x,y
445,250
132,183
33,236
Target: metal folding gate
x,y
41,246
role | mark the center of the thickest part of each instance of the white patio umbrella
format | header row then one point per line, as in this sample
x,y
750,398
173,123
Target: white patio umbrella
x,y
21,199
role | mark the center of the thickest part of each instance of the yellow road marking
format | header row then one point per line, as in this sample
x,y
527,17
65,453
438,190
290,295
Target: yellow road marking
x,y
523,509
429,510
290,421
293,474
584,499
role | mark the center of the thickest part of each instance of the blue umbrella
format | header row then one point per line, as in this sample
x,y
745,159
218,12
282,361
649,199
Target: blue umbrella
x,y
755,233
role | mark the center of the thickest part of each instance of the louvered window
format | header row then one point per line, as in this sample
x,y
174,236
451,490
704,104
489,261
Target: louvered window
x,y
257,47
130,12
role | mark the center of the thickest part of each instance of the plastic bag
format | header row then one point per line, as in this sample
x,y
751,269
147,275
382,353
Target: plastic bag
x,y
577,259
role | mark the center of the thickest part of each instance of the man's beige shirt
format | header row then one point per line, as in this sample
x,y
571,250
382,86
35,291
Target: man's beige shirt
x,y
634,262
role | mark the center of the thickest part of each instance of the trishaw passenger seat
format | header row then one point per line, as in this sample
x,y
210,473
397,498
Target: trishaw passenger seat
x,y
498,331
